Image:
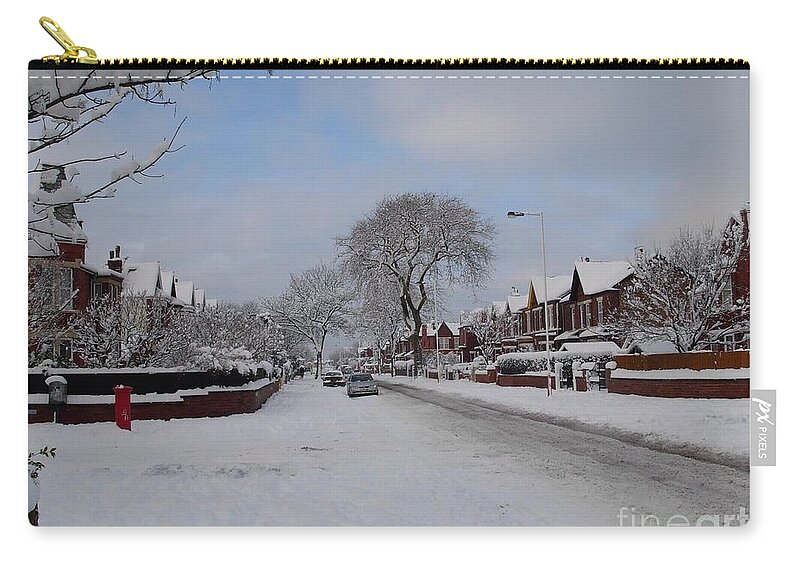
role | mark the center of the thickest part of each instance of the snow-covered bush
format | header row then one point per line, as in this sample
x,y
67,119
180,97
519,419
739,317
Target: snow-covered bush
x,y
522,362
226,360
404,365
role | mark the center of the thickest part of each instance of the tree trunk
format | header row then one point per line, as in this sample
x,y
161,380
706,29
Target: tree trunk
x,y
319,364
417,347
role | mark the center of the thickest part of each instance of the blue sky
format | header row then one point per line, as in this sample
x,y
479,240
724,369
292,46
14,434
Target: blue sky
x,y
274,170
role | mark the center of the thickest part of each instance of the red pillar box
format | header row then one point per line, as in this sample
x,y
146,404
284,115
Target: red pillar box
x,y
122,406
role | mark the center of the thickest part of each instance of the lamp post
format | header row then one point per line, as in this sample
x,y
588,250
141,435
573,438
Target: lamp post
x,y
540,215
436,324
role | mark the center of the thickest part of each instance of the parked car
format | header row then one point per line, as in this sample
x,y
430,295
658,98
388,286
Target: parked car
x,y
333,378
361,384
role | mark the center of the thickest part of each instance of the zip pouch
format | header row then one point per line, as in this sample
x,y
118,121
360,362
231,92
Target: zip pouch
x,y
387,292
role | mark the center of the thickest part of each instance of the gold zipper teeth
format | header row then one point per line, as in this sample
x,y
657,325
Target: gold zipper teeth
x,y
453,63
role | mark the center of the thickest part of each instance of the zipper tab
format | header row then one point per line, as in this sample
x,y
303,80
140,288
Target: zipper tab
x,y
72,52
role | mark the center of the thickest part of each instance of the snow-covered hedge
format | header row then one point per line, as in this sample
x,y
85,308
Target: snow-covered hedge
x,y
405,365
522,362
226,360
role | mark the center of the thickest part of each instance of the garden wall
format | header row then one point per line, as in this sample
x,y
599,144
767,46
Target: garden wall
x,y
235,394
531,380
488,376
692,375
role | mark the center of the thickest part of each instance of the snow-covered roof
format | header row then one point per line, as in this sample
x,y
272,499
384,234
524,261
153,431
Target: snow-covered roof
x,y
500,306
453,327
599,276
184,290
51,214
567,335
557,287
142,278
517,303
590,347
101,271
168,282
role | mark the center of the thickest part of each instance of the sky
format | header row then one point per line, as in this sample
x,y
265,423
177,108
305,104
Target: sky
x,y
274,170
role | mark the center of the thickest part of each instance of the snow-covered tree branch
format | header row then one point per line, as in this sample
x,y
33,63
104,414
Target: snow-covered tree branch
x,y
684,294
412,239
60,106
315,305
488,327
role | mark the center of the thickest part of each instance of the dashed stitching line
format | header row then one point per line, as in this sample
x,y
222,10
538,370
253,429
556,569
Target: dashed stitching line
x,y
403,77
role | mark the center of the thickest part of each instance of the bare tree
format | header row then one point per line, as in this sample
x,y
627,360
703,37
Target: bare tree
x,y
315,305
378,318
488,327
410,236
684,293
62,105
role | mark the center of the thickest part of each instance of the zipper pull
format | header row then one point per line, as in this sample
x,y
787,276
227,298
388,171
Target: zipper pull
x,y
72,52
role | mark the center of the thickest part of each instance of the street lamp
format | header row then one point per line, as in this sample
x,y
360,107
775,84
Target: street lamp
x,y
540,215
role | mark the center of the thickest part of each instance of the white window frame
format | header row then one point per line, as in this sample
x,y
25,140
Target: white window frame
x,y
599,310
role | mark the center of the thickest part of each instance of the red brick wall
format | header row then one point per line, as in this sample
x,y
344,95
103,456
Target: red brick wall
x,y
690,360
214,404
739,388
677,388
489,378
522,380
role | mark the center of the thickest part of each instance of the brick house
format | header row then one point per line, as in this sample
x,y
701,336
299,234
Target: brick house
x,y
448,340
595,291
533,319
512,310
739,290
467,344
60,281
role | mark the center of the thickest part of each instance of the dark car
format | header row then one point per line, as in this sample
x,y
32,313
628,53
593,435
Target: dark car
x,y
333,378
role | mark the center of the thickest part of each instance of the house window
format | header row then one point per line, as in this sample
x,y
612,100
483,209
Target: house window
x,y
444,342
572,318
726,294
98,291
63,288
600,311
586,315
551,316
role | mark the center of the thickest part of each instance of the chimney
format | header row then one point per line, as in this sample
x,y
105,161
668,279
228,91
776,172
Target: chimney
x,y
114,260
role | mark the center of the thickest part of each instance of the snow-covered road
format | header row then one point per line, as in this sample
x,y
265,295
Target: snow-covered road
x,y
312,456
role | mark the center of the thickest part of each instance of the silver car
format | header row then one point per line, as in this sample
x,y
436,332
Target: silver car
x,y
361,384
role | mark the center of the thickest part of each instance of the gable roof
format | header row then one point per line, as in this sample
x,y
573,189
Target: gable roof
x,y
599,276
142,278
168,283
184,290
517,303
557,287
453,327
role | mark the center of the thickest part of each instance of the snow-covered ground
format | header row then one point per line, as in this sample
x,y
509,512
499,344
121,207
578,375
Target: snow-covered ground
x,y
715,424
313,456
310,456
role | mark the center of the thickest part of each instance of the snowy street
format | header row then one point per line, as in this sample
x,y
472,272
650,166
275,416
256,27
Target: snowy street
x,y
410,456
